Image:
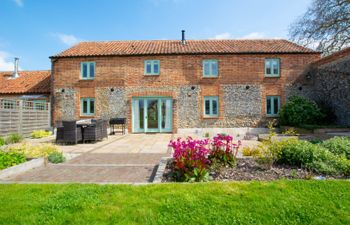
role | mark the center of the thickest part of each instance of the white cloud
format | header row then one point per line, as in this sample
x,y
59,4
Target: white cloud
x,y
67,39
225,35
18,2
6,62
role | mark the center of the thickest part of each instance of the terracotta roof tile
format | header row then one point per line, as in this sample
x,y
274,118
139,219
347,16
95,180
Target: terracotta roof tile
x,y
161,47
27,82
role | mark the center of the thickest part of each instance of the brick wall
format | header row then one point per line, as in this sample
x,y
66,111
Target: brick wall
x,y
177,74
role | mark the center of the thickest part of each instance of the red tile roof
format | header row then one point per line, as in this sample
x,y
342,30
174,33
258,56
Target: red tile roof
x,y
164,47
30,82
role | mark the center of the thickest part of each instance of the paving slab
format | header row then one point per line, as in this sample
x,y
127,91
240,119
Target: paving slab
x,y
113,159
125,159
89,174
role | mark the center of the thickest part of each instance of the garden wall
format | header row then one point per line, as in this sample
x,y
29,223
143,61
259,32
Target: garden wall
x,y
327,81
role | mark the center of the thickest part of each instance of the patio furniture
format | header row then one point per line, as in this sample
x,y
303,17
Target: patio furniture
x,y
93,131
71,133
59,131
104,128
120,122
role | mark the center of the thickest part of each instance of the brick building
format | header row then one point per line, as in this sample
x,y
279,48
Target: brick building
x,y
24,85
166,86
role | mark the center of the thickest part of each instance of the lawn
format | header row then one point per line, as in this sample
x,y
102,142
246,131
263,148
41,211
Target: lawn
x,y
279,202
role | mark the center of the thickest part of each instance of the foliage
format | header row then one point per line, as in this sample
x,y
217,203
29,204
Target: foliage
x,y
13,138
2,141
8,159
246,151
312,156
299,110
290,132
277,202
338,146
40,133
33,151
264,154
223,151
56,157
326,22
191,159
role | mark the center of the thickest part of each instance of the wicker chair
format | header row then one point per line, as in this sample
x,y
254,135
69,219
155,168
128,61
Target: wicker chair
x,y
71,133
94,131
59,131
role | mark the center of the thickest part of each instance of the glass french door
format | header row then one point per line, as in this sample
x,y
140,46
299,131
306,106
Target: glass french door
x,y
152,114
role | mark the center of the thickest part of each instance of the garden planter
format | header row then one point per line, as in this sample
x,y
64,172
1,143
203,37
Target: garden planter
x,y
21,168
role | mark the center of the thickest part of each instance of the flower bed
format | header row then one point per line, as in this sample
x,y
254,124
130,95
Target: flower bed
x,y
19,153
193,158
216,159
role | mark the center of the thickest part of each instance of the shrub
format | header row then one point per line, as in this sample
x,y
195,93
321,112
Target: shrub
x,y
338,146
222,150
8,159
33,151
190,159
290,132
299,110
2,141
56,157
264,152
40,134
314,157
13,138
247,151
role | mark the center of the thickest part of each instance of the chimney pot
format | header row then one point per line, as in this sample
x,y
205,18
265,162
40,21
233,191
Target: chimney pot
x,y
15,72
183,40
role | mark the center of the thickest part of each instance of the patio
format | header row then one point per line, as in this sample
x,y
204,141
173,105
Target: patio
x,y
120,159
131,158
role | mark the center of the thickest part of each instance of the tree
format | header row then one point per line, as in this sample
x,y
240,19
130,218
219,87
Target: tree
x,y
326,23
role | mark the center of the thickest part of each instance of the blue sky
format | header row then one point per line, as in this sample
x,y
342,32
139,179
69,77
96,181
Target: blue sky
x,y
36,29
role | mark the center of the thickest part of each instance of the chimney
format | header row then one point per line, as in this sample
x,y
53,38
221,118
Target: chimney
x,y
15,72
183,40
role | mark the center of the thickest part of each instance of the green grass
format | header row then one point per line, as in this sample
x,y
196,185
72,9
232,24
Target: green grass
x,y
280,202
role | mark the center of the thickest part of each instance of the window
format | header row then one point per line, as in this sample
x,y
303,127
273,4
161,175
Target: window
x,y
87,70
152,67
272,67
272,105
87,106
211,106
39,104
210,68
8,104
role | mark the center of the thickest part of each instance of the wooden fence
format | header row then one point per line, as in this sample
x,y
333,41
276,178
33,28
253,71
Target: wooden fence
x,y
23,117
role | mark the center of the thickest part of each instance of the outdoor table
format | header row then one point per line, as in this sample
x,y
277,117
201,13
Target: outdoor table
x,y
82,126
